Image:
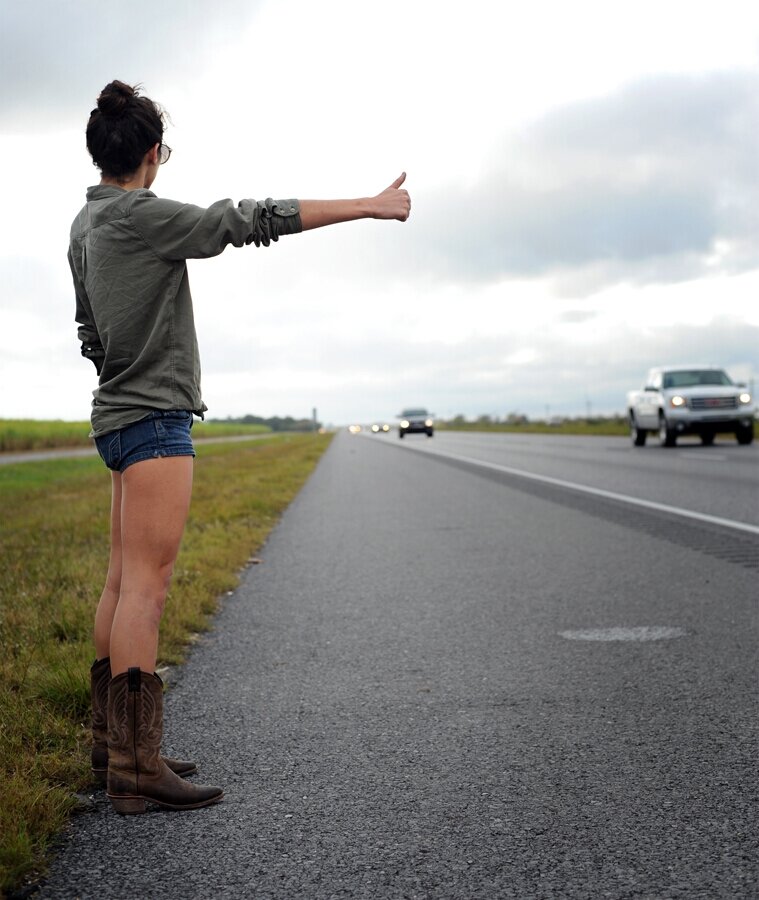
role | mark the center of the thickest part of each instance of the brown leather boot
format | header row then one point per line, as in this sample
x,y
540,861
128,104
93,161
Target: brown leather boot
x,y
136,772
100,676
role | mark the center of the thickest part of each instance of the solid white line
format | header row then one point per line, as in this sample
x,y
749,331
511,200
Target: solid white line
x,y
596,492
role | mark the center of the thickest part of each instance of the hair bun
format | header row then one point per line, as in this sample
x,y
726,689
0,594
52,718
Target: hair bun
x,y
114,99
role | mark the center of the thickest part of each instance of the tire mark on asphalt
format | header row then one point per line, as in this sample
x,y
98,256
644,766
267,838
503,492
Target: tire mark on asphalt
x,y
724,539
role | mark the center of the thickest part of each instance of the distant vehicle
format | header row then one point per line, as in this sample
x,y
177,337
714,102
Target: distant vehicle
x,y
417,421
354,429
679,400
380,429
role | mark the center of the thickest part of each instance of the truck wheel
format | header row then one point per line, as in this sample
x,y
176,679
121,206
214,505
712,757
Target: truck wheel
x,y
707,438
745,434
637,435
667,435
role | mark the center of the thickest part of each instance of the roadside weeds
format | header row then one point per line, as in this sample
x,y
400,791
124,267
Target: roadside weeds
x,y
54,537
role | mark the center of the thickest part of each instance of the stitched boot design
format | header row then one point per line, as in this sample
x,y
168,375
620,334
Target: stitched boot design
x,y
149,718
122,770
136,772
100,676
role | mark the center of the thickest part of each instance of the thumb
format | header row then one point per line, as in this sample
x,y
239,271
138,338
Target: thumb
x,y
398,181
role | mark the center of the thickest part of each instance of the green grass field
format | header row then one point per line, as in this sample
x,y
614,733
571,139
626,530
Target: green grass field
x,y
615,427
29,434
611,427
54,538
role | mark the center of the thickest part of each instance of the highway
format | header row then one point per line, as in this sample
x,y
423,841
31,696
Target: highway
x,y
471,676
721,480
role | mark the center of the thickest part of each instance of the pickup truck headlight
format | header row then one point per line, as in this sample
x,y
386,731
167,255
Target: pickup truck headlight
x,y
428,423
745,397
677,401
404,423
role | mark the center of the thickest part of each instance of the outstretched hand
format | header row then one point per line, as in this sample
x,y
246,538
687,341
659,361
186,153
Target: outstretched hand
x,y
394,202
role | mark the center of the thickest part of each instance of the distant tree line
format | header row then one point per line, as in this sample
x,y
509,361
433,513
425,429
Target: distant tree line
x,y
516,419
276,423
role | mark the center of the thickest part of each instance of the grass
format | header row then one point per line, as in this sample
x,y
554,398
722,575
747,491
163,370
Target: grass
x,y
611,427
32,434
53,532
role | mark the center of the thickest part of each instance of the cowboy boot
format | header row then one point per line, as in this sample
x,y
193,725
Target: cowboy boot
x,y
100,676
136,772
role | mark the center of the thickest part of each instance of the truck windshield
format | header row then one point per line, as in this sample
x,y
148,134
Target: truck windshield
x,y
695,377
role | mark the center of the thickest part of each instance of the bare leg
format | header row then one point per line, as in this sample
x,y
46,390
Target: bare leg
x,y
110,597
155,500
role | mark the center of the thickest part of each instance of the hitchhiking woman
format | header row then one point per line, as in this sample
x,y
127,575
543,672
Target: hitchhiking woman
x,y
128,252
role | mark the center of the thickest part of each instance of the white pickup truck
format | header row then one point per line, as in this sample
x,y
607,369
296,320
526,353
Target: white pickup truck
x,y
702,400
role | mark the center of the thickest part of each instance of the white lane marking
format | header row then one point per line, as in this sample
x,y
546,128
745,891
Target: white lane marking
x,y
597,492
638,633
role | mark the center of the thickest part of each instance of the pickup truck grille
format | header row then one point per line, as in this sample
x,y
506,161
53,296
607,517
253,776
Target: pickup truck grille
x,y
713,402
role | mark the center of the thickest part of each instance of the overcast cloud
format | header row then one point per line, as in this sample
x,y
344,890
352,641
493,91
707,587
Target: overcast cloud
x,y
653,182
583,177
55,57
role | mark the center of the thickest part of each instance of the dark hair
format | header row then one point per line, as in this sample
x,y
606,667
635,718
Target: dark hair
x,y
122,128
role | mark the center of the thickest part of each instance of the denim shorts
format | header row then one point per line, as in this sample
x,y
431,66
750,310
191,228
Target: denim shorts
x,y
162,433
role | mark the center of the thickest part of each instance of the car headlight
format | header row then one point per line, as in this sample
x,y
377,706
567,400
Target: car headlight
x,y
677,401
404,423
375,428
428,423
745,397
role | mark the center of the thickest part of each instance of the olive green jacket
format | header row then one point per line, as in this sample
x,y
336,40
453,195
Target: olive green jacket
x,y
128,252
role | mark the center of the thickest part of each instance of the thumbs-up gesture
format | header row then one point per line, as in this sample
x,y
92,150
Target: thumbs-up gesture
x,y
394,202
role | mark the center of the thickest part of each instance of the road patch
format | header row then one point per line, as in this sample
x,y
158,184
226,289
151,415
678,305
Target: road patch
x,y
638,633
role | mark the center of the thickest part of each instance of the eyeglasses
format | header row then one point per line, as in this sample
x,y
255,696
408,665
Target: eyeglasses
x,y
164,152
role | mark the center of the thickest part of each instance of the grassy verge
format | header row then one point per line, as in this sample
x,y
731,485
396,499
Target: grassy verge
x,y
616,427
612,427
17,435
53,533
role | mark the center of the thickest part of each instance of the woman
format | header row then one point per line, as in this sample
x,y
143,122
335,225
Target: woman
x,y
127,255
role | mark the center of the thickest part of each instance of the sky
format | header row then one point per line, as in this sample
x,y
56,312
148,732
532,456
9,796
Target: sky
x,y
583,177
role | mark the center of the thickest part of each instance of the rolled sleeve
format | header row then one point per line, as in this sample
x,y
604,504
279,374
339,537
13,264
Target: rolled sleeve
x,y
178,231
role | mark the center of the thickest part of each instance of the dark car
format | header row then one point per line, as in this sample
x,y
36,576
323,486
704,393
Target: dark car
x,y
417,421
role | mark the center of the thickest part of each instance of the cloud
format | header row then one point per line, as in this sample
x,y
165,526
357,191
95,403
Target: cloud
x,y
565,366
55,57
654,183
641,204
577,316
567,383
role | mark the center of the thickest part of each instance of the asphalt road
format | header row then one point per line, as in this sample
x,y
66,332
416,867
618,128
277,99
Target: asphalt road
x,y
447,681
721,480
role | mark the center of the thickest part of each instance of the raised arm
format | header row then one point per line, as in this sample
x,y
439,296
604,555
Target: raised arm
x,y
392,203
